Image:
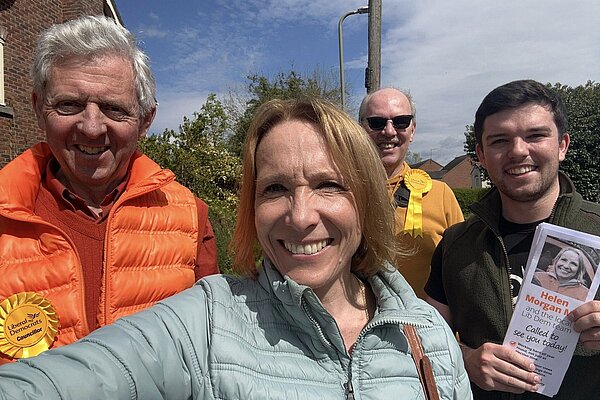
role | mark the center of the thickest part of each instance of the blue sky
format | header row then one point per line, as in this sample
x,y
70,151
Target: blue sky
x,y
449,54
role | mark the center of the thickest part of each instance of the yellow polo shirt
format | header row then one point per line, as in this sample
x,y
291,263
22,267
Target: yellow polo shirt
x,y
440,211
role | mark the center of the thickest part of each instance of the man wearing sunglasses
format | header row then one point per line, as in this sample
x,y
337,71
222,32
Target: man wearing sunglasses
x,y
424,207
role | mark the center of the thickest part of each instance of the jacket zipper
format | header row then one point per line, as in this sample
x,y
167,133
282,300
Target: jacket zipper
x,y
315,323
349,389
509,270
348,386
508,266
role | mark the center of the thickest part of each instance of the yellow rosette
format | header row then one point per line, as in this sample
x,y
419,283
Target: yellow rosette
x,y
418,182
28,325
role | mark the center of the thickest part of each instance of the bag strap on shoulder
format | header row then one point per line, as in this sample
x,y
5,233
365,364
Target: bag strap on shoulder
x,y
422,363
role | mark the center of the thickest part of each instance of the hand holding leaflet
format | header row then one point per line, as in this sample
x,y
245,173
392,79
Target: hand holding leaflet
x,y
560,276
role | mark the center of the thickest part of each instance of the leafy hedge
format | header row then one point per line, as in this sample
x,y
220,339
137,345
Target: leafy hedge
x,y
467,197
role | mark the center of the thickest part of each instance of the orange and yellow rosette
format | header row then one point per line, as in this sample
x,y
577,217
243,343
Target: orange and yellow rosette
x,y
28,325
418,182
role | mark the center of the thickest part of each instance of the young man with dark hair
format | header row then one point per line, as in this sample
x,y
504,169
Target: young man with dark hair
x,y
521,130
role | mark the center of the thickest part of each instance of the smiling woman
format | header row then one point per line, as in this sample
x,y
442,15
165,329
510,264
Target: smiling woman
x,y
322,315
347,155
313,172
566,274
306,219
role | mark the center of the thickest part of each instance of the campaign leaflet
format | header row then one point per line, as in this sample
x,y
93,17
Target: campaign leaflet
x,y
560,275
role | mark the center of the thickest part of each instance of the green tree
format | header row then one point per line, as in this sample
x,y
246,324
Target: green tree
x,y
199,156
467,196
284,86
581,163
469,148
583,110
470,142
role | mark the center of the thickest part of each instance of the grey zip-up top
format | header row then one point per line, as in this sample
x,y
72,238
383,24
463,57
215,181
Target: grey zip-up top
x,y
235,338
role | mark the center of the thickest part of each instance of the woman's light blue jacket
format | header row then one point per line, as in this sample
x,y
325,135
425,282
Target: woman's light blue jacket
x,y
235,338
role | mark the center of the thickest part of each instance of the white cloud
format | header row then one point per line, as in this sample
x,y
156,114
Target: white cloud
x,y
450,54
229,40
152,32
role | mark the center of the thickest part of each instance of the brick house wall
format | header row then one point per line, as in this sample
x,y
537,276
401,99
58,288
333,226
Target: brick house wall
x,y
427,165
460,175
22,21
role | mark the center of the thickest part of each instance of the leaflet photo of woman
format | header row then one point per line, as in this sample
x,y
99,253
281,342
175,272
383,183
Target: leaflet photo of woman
x,y
570,273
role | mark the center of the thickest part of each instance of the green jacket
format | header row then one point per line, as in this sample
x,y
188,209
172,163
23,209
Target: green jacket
x,y
475,275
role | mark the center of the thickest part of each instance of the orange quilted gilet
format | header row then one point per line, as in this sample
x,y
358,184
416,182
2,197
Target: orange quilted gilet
x,y
150,245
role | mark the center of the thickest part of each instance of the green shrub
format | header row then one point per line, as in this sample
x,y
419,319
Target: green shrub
x,y
223,224
467,197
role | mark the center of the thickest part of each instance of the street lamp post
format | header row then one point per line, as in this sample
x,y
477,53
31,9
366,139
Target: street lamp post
x,y
361,10
373,73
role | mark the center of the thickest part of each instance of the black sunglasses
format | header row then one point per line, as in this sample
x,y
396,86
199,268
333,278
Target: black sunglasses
x,y
399,122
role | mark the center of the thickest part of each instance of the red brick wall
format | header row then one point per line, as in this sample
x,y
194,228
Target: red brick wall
x,y
430,165
24,20
460,175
